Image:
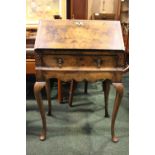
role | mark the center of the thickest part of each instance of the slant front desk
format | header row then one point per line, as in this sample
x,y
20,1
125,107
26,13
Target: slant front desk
x,y
79,50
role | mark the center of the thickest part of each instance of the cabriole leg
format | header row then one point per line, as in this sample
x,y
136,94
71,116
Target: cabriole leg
x,y
119,94
38,86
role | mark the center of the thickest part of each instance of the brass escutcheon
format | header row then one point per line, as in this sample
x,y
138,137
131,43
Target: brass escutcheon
x,y
60,62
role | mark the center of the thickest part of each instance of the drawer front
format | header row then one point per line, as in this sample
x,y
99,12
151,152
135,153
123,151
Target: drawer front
x,y
92,61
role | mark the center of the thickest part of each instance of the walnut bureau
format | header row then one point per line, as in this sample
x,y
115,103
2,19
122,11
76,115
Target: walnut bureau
x,y
79,50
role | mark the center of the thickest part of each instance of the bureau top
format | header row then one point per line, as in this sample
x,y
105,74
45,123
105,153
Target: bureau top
x,y
79,35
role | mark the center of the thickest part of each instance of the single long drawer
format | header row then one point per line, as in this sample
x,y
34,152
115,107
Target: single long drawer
x,y
92,61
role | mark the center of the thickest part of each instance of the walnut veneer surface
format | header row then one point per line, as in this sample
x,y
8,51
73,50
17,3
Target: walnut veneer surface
x,y
79,50
79,34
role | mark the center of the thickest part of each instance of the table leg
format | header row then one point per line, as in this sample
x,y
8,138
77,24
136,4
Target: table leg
x,y
60,97
119,94
85,87
38,86
48,92
71,91
106,89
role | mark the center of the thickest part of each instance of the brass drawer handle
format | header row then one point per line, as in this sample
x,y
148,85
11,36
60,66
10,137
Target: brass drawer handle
x,y
60,62
98,62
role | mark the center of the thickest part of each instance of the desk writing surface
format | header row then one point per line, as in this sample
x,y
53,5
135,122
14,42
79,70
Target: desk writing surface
x,y
79,34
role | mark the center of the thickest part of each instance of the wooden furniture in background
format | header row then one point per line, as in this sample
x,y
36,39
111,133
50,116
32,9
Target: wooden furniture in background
x,y
30,66
125,26
31,31
78,9
124,12
117,9
80,50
